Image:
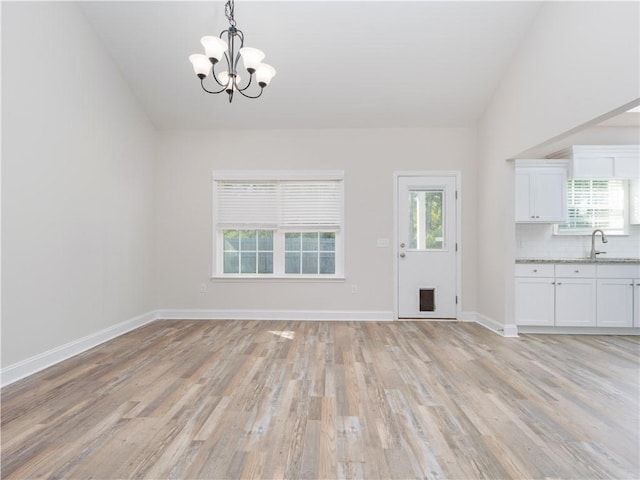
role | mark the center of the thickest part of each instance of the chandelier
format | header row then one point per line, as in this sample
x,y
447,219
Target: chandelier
x,y
215,48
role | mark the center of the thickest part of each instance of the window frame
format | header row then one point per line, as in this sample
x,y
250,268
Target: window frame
x,y
588,231
279,233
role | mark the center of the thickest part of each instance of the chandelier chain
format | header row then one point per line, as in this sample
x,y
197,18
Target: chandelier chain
x,y
228,11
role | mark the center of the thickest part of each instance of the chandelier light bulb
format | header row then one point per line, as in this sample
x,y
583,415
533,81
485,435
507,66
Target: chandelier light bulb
x,y
214,48
227,80
201,65
251,57
264,74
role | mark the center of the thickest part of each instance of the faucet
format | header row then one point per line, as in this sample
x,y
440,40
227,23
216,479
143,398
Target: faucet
x,y
594,252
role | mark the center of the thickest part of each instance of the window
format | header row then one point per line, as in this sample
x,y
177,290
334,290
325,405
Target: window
x,y
278,224
596,204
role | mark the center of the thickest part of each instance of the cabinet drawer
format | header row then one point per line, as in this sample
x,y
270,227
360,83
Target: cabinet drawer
x,y
575,270
618,271
534,270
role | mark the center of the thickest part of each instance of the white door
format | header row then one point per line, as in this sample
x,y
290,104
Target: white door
x,y
427,246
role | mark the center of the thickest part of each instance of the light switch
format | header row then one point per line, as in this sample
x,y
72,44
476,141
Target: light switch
x,y
382,243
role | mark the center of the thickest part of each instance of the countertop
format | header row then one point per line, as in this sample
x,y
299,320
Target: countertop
x,y
601,260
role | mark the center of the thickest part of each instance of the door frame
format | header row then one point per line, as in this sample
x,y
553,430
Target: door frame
x,y
396,247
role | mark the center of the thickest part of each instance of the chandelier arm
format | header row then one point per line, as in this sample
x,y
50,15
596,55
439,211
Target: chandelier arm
x,y
249,96
213,74
247,86
209,91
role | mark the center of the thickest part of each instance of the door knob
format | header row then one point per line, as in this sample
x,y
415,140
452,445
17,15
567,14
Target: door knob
x,y
402,245
402,255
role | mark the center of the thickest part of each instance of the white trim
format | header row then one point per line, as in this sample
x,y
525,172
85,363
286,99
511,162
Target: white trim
x,y
578,330
509,330
302,315
457,174
276,175
29,366
469,317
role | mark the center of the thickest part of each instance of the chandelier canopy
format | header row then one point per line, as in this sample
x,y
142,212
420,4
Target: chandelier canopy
x,y
216,48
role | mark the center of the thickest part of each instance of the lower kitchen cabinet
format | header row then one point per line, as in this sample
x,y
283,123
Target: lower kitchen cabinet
x,y
636,302
535,301
615,302
575,302
577,295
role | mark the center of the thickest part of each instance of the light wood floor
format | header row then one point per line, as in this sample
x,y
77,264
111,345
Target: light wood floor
x,y
231,399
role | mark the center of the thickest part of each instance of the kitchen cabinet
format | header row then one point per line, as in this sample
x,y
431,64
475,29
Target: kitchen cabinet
x,y
615,302
602,161
534,291
541,191
575,295
636,303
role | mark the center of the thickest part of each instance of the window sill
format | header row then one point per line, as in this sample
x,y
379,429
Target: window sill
x,y
277,279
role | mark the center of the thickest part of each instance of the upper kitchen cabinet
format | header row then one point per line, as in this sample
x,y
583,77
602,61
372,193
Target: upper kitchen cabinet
x,y
541,191
602,161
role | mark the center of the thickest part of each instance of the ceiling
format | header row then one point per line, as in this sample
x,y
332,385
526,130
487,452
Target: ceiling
x,y
340,64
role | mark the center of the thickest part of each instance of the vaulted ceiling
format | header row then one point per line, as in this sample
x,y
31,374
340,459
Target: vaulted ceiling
x,y
340,64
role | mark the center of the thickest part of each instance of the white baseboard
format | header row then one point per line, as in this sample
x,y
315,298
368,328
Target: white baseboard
x,y
509,330
304,315
34,364
468,317
579,330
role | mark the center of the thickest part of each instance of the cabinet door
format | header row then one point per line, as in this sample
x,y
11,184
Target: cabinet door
x,y
549,202
534,301
615,302
636,303
576,302
523,197
541,193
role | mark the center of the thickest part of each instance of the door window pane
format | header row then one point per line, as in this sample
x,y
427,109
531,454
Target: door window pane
x,y
426,222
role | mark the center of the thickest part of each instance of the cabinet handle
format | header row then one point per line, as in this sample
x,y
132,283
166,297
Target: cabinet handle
x,y
535,270
537,216
533,216
577,271
559,283
553,283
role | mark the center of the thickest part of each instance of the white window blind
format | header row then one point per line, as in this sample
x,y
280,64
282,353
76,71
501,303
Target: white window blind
x,y
283,204
246,205
595,204
316,205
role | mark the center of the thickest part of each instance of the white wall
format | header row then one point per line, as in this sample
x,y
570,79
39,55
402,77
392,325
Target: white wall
x,y
578,62
78,184
368,157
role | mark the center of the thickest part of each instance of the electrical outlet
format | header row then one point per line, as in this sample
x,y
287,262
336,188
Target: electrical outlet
x,y
203,287
354,288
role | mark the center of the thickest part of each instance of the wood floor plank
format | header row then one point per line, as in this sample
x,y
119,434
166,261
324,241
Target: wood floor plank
x,y
289,400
